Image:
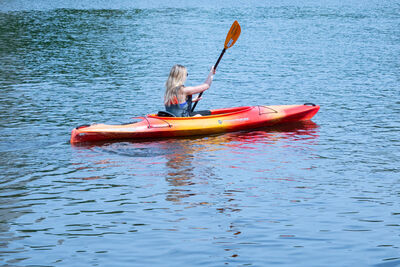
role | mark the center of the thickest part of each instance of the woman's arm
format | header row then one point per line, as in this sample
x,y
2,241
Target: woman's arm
x,y
191,90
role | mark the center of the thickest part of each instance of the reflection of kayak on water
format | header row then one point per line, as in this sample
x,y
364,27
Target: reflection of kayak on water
x,y
220,121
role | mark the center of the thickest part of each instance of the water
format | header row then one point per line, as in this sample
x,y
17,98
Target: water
x,y
312,194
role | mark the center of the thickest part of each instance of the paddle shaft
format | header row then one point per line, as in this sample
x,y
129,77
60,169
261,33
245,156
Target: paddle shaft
x,y
215,68
219,59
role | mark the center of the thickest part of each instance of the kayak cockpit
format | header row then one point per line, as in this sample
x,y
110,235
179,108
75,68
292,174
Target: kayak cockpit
x,y
214,113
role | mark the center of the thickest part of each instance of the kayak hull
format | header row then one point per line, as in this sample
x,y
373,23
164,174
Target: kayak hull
x,y
220,121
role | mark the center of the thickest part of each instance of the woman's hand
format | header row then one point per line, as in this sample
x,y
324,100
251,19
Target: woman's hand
x,y
197,99
212,70
210,76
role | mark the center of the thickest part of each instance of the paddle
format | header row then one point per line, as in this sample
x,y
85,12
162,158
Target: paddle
x,y
230,40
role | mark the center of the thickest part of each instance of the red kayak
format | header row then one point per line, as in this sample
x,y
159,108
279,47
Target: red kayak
x,y
220,121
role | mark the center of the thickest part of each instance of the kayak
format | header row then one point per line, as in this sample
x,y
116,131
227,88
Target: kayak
x,y
220,121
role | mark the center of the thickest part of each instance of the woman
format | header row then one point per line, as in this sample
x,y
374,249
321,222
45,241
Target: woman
x,y
178,97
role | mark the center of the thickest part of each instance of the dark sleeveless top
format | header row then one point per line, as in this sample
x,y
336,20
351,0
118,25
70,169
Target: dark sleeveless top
x,y
181,110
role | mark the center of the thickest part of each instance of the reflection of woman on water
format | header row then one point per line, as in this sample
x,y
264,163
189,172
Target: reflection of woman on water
x,y
178,97
180,170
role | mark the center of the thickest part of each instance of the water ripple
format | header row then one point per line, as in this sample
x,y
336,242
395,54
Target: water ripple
x,y
278,195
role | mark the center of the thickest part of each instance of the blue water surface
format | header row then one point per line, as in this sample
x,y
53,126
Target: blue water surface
x,y
319,193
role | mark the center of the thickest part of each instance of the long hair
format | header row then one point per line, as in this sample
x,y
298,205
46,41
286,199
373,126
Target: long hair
x,y
176,78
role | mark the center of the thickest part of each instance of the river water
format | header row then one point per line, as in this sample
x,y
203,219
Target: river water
x,y
324,192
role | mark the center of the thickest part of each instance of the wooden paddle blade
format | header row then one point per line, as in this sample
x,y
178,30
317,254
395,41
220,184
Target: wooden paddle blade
x,y
233,35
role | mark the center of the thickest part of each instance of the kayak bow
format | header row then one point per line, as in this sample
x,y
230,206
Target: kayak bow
x,y
220,121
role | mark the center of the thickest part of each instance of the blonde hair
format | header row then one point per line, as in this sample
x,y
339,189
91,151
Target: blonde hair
x,y
176,78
